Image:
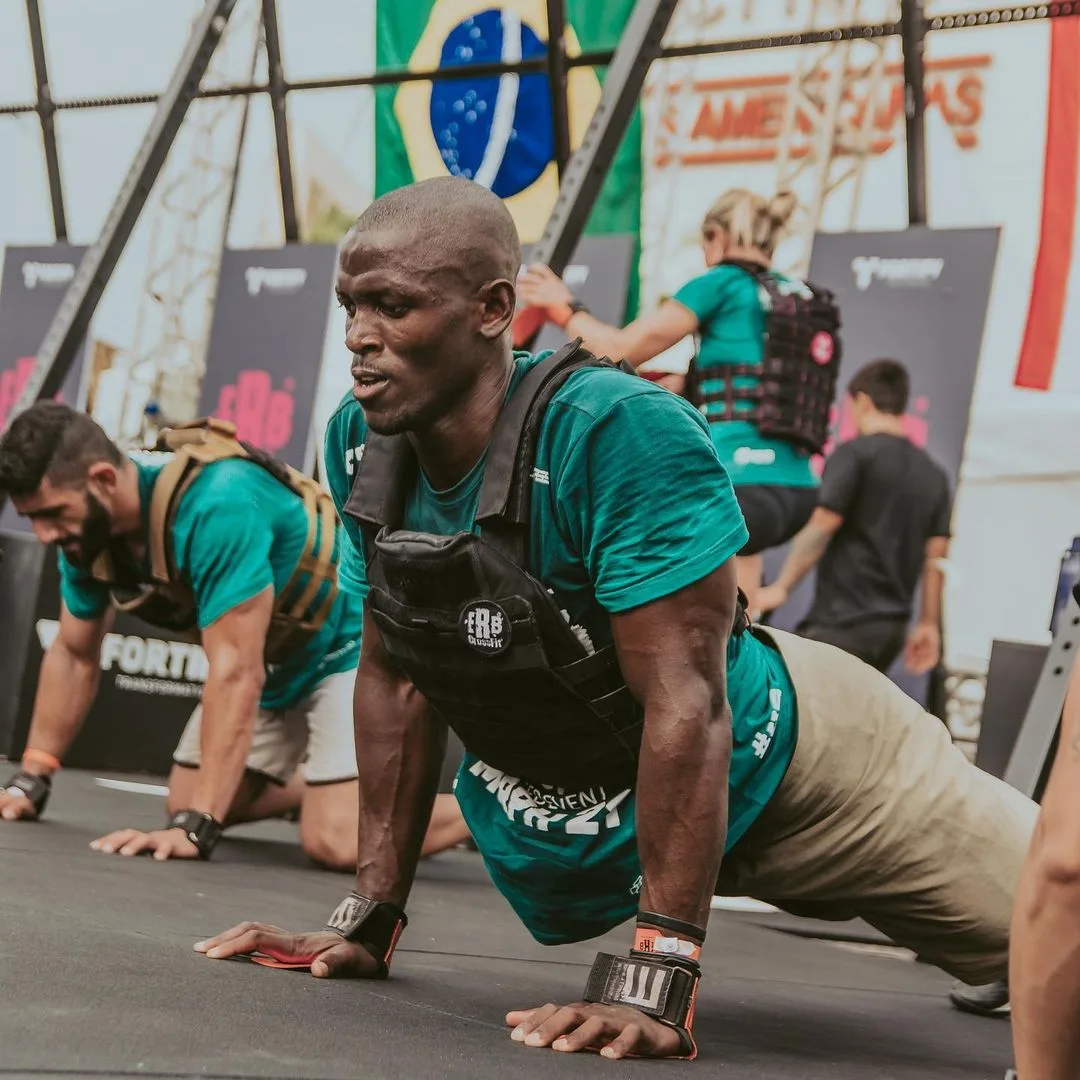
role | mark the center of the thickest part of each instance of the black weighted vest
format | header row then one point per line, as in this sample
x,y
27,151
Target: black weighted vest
x,y
476,633
796,381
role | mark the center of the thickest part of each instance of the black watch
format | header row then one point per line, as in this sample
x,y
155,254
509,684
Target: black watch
x,y
374,924
576,305
203,830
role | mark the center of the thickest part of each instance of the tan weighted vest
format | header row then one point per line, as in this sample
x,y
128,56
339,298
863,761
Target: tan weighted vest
x,y
168,601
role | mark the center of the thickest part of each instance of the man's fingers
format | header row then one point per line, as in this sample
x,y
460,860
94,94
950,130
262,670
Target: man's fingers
x,y
624,1043
139,843
583,1037
247,942
524,1021
114,840
559,1023
234,932
12,808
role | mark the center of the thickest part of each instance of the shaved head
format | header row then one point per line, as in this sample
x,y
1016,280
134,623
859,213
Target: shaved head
x,y
457,225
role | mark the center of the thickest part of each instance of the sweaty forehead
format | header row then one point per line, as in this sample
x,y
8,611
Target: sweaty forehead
x,y
414,257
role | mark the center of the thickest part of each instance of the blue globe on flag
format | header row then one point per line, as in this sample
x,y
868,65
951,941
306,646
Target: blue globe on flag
x,y
495,130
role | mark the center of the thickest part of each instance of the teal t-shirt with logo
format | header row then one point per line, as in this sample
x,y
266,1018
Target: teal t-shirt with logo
x,y
629,504
237,531
731,311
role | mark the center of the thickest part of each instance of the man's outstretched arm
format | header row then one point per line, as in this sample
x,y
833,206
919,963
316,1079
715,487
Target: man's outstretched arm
x,y
1045,947
673,654
400,743
399,749
67,686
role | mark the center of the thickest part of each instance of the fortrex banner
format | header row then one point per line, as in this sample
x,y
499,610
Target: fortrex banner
x,y
32,285
266,345
920,297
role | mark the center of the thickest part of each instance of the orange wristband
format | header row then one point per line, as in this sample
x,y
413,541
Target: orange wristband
x,y
40,757
649,940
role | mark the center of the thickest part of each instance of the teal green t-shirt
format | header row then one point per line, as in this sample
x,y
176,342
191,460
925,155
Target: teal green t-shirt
x,y
610,531
731,307
237,530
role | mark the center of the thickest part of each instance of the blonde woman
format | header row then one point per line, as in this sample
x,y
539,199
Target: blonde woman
x,y
773,480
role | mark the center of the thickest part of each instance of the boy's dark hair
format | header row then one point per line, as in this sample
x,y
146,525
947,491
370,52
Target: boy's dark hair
x,y
885,383
51,441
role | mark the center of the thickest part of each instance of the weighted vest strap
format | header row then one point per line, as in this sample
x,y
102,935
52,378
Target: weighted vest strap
x,y
295,618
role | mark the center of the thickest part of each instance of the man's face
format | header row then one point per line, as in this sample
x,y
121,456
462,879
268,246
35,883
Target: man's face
x,y
418,326
70,517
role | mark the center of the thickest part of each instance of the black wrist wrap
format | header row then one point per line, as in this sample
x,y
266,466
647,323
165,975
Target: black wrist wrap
x,y
664,989
36,788
375,925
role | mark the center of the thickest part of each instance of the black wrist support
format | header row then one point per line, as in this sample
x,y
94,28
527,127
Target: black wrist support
x,y
375,925
202,829
663,988
35,788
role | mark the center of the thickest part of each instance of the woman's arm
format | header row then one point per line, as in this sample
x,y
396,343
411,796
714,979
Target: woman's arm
x,y
643,339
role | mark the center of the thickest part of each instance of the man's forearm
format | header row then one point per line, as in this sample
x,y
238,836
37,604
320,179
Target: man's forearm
x,y
400,743
806,551
682,804
66,689
230,706
1045,971
932,587
1044,951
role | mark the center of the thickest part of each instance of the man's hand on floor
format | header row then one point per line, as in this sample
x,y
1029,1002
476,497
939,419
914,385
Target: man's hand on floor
x,y
327,954
162,844
16,807
615,1030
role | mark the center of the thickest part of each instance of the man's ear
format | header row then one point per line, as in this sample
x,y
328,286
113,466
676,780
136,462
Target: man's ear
x,y
103,476
499,300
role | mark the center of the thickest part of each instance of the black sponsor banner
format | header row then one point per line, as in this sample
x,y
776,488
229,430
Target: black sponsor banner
x,y
266,345
918,296
32,284
150,682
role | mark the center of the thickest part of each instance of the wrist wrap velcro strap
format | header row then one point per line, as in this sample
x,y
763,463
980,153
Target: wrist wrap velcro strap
x,y
35,788
664,989
375,925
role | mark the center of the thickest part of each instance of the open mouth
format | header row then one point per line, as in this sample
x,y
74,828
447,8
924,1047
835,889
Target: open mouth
x,y
367,384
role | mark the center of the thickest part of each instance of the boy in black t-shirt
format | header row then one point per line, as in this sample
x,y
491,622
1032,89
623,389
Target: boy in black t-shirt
x,y
881,524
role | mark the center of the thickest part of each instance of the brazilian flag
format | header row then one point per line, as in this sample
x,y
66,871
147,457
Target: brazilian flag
x,y
498,130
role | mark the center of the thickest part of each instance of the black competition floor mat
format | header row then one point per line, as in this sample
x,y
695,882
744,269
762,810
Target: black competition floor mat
x,y
98,977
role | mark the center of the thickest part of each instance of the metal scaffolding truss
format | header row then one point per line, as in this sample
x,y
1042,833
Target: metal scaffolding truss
x,y
819,151
190,221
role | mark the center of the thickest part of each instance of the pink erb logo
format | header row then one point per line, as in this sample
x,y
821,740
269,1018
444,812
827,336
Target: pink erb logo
x,y
822,347
263,416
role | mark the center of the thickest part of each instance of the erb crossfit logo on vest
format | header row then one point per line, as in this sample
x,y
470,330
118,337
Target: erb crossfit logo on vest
x,y
485,627
263,416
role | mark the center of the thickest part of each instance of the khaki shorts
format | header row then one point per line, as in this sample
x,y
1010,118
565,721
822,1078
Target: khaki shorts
x,y
881,817
318,732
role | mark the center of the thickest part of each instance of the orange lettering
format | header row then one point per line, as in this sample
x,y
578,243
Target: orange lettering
x,y
969,93
772,115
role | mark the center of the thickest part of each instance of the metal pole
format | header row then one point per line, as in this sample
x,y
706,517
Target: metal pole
x,y
278,90
1031,752
73,317
45,111
557,80
913,38
638,47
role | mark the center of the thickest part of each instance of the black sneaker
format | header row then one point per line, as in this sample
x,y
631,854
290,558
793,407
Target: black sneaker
x,y
989,1000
